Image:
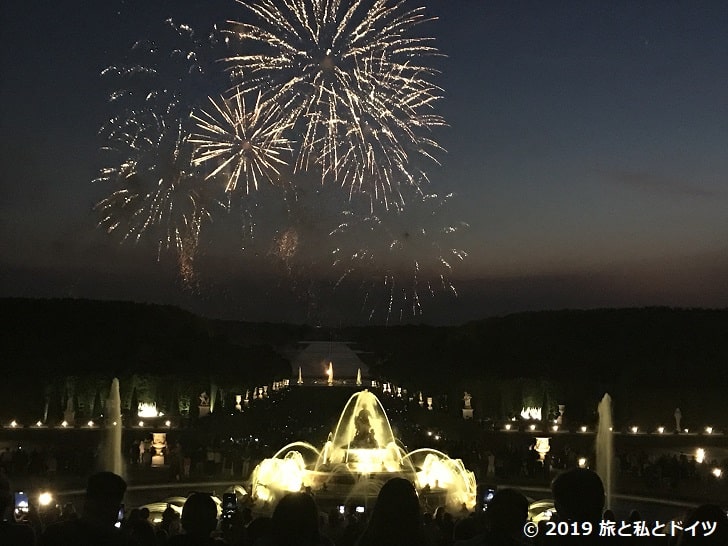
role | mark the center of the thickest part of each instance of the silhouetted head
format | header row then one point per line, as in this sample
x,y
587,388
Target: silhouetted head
x,y
169,514
295,520
706,515
104,495
634,515
259,528
609,515
6,497
398,503
396,516
199,515
507,513
578,495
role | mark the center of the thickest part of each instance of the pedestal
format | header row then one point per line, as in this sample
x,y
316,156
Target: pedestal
x,y
543,446
159,442
467,413
204,411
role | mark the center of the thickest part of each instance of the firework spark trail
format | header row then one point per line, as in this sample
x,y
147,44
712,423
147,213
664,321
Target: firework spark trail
x,y
349,76
241,142
155,189
165,78
406,253
156,192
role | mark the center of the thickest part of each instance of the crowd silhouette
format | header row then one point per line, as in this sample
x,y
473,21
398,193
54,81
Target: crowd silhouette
x,y
396,519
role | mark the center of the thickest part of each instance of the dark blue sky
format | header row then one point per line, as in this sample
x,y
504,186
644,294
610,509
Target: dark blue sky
x,y
587,148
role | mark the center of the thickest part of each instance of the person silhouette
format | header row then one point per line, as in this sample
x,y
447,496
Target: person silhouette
x,y
12,533
97,523
199,520
396,518
295,522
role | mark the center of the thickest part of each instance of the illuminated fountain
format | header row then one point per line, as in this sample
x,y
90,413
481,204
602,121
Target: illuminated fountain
x,y
112,448
147,410
530,413
604,448
357,459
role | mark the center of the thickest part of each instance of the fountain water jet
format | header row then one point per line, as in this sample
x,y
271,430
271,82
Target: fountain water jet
x,y
604,447
112,447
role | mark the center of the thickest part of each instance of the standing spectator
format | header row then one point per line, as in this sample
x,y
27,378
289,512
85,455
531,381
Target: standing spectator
x,y
712,514
396,519
12,532
186,465
295,522
490,473
578,497
96,526
199,520
504,520
217,464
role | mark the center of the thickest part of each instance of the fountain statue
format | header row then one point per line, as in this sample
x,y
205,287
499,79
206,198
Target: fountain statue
x,y
204,406
678,418
468,409
359,456
69,415
604,447
364,436
112,445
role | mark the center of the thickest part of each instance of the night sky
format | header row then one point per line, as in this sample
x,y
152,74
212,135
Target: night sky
x,y
587,149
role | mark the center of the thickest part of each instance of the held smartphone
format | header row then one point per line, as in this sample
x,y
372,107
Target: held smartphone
x,y
21,503
488,495
119,517
359,509
229,505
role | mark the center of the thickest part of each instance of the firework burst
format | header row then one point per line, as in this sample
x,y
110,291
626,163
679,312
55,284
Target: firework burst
x,y
170,75
329,107
398,258
349,75
155,191
239,142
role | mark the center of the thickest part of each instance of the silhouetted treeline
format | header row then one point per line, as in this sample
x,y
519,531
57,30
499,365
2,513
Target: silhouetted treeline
x,y
76,336
658,356
662,345
658,345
